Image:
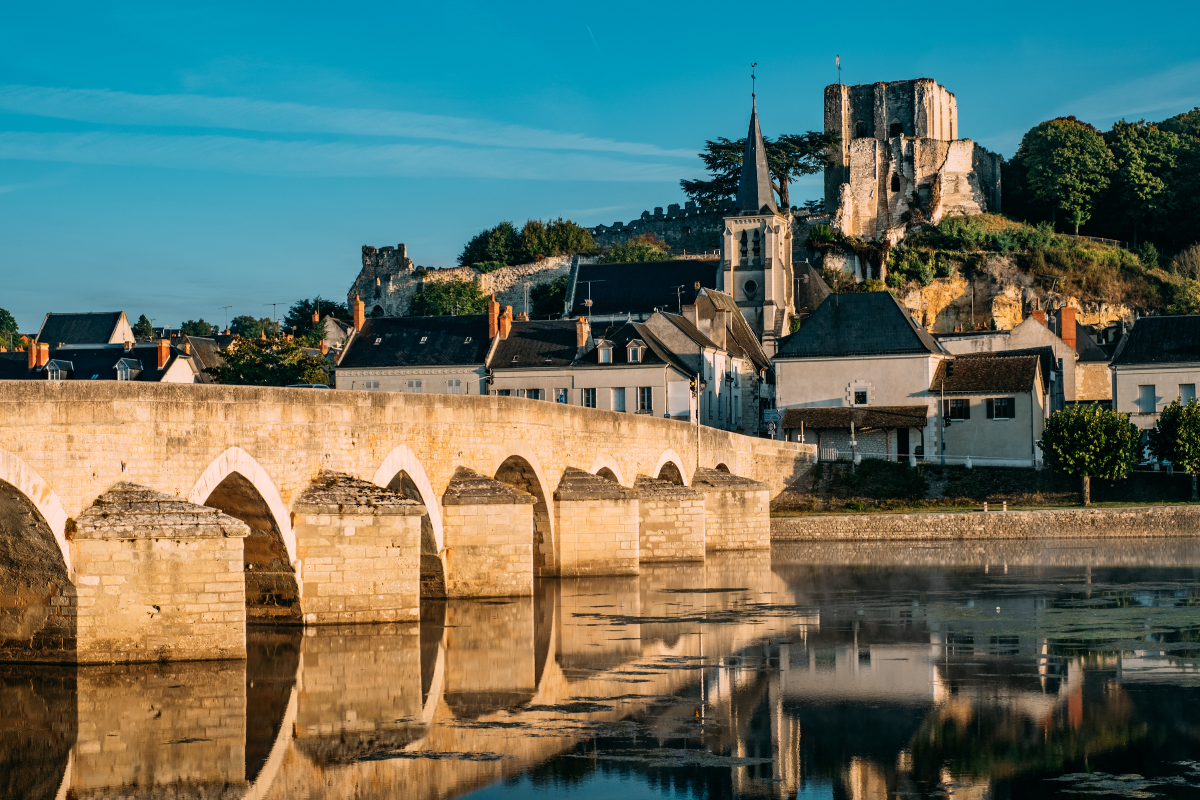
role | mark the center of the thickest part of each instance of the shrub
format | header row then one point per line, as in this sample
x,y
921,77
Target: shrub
x,y
1187,263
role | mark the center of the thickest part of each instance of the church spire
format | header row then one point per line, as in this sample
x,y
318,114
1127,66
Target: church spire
x,y
754,189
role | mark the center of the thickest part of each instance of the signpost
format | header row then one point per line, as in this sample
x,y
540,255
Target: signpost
x,y
771,415
771,429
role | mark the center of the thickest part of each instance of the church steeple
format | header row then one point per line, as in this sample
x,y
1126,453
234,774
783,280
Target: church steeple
x,y
754,189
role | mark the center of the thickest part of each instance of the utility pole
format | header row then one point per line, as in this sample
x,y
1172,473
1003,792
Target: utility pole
x,y
679,297
526,285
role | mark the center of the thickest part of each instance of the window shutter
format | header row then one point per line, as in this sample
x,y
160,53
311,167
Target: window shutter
x,y
991,408
945,409
966,407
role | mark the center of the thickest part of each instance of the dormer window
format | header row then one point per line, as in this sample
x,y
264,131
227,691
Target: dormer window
x,y
54,372
379,339
122,371
605,355
635,355
424,339
128,369
467,340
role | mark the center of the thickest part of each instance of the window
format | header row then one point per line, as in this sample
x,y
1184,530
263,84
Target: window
x,y
635,355
371,385
956,409
860,397
504,392
895,183
424,339
454,386
645,399
720,409
588,398
380,339
1002,408
1187,391
605,355
896,129
411,386
1147,398
860,130
53,372
534,394
122,371
618,399
560,396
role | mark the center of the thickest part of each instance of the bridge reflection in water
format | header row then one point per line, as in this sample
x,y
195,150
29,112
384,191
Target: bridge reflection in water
x,y
825,670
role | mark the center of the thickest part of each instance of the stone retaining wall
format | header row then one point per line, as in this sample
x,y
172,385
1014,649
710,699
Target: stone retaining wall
x,y
1051,523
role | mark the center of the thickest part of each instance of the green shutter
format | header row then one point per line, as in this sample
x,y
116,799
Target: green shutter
x,y
991,408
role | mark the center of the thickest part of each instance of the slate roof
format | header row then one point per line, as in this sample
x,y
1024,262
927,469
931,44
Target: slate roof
x,y
655,351
863,416
689,330
811,289
400,342
641,288
537,343
867,323
84,328
1088,350
743,338
985,373
755,195
206,352
1160,340
83,362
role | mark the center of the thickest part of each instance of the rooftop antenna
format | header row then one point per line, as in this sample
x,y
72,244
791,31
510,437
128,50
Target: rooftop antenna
x,y
272,305
588,303
679,296
226,310
526,284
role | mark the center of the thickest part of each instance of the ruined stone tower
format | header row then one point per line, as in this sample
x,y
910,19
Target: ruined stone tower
x,y
756,248
383,283
900,160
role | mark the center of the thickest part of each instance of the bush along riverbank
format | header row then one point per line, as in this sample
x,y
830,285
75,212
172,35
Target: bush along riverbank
x,y
886,486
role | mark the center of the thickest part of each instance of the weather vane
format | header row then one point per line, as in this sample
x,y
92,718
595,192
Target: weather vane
x,y
752,94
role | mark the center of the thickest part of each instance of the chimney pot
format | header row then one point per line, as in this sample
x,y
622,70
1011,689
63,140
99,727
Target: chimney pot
x,y
316,318
506,322
493,310
583,331
360,312
32,355
164,352
324,347
187,348
43,354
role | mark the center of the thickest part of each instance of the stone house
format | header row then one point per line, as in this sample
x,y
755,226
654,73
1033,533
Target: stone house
x,y
1080,373
1157,362
861,351
439,355
159,362
97,327
993,409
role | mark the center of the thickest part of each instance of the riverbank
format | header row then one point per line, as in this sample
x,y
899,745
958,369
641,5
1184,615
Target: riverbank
x,y
1065,523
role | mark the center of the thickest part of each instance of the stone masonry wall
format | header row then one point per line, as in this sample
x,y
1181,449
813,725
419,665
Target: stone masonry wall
x,y
1061,523
489,537
672,521
598,537
736,511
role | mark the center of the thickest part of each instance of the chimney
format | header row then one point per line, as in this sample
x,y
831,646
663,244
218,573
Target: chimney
x,y
187,348
522,316
506,322
324,347
164,352
583,331
43,354
128,346
493,309
360,312
1039,315
1066,325
33,355
689,313
719,328
316,317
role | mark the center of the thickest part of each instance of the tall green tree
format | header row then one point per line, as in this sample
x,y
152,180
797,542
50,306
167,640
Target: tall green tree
x,y
8,329
1144,157
267,362
444,298
198,327
299,316
1067,165
249,327
1089,441
143,329
546,300
1176,438
788,157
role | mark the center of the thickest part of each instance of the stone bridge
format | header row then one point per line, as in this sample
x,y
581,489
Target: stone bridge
x,y
149,522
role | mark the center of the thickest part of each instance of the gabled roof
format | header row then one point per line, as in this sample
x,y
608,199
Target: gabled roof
x,y
755,195
811,289
206,352
743,337
84,361
95,327
536,343
1160,340
864,417
641,288
689,330
985,373
620,336
1085,347
861,324
446,342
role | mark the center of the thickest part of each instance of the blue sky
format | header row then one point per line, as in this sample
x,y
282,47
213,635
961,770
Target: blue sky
x,y
171,159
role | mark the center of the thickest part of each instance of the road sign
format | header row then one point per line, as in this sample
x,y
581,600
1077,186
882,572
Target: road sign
x,y
771,415
771,428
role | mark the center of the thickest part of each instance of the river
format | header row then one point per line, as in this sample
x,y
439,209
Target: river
x,y
969,670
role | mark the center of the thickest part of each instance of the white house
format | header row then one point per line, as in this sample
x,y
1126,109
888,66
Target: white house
x,y
1157,362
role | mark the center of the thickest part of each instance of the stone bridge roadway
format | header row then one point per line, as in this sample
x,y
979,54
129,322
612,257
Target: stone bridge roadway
x,y
339,505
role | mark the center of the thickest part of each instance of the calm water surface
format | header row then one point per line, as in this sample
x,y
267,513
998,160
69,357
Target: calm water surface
x,y
1005,670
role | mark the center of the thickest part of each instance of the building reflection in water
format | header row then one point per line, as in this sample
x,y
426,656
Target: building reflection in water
x,y
856,672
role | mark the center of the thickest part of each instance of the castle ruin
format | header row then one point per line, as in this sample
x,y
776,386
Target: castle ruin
x,y
900,160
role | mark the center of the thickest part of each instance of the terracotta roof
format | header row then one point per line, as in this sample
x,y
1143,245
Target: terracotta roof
x,y
866,323
863,417
986,373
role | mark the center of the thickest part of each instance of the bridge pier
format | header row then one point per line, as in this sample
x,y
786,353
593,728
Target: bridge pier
x,y
488,532
737,511
359,549
157,579
597,524
672,521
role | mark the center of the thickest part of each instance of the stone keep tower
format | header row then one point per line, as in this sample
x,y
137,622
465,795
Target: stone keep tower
x,y
756,248
384,282
900,159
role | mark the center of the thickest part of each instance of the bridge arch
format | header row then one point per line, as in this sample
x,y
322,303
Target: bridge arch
x,y
670,468
606,467
235,459
25,480
517,464
404,460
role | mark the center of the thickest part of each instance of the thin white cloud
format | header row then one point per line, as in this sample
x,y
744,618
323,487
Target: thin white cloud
x,y
238,113
347,159
1164,94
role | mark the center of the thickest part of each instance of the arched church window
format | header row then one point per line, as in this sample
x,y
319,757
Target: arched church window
x,y
896,129
860,130
895,183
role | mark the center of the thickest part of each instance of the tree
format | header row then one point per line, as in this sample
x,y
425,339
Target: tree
x,y
1066,165
1187,263
1143,154
447,297
1090,441
299,316
1176,438
198,327
142,329
546,299
494,244
8,329
788,157
503,246
267,362
646,247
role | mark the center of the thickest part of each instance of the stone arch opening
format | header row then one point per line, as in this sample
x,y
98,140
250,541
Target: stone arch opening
x,y
896,129
272,593
519,473
607,473
670,473
860,130
377,311
433,573
37,598
895,183
722,468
